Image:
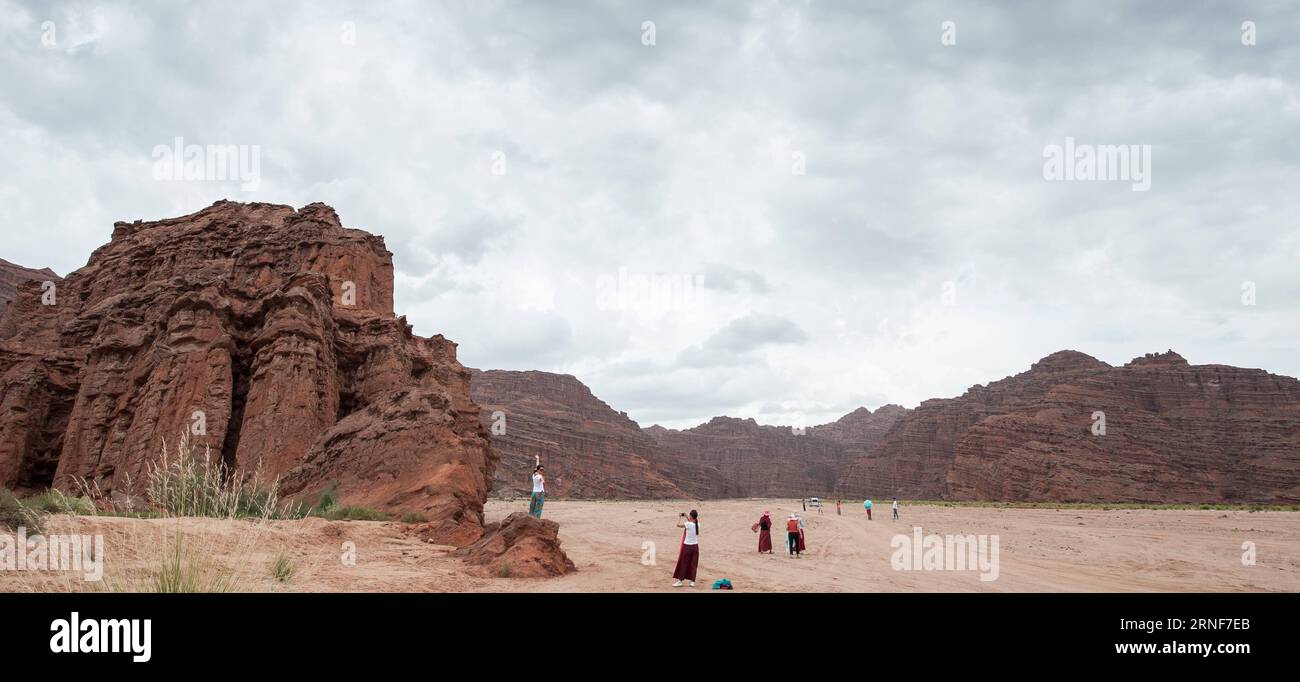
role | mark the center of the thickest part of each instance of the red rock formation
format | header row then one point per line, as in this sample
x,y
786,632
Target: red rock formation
x,y
521,546
1174,432
861,427
12,275
592,451
729,457
267,332
589,450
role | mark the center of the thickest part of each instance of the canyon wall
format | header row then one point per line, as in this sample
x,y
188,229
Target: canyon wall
x,y
589,450
1173,432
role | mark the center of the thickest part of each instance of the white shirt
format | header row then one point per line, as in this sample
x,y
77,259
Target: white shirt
x,y
537,483
691,537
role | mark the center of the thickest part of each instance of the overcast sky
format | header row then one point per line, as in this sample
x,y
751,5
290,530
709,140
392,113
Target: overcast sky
x,y
842,209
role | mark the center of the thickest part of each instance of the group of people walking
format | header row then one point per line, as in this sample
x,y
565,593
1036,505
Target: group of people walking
x,y
794,534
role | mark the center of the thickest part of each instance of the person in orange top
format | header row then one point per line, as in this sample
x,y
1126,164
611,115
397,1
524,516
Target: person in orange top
x,y
792,535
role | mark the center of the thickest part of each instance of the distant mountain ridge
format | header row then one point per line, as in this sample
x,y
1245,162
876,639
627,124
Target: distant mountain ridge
x,y
1173,432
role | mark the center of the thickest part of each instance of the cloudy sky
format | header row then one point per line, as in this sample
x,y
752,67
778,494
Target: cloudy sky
x,y
780,210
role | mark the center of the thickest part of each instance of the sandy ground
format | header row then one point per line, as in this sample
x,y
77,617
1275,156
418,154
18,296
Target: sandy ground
x,y
1039,550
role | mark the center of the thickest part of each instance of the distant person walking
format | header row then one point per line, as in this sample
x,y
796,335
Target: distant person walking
x,y
867,506
539,492
792,535
764,528
804,503
837,509
895,510
688,558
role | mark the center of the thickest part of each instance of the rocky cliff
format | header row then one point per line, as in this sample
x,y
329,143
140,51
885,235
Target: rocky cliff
x,y
12,275
589,450
1073,428
268,334
729,457
861,427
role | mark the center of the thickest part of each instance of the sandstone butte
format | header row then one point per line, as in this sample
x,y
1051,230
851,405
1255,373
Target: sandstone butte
x,y
269,334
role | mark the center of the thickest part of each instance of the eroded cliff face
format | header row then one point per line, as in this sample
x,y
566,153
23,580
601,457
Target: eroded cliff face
x,y
861,428
730,457
12,275
268,334
1174,432
589,450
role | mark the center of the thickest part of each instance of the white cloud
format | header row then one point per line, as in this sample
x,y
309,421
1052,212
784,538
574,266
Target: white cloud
x,y
923,177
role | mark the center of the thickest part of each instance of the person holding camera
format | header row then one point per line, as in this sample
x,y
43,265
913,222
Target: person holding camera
x,y
688,558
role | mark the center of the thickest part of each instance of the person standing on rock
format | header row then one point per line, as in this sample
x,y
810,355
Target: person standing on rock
x,y
539,493
764,528
688,558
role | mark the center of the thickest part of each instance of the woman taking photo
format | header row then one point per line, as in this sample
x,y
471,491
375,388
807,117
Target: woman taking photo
x,y
688,559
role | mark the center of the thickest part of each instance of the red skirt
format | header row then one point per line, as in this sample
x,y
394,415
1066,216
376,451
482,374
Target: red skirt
x,y
802,546
687,561
765,540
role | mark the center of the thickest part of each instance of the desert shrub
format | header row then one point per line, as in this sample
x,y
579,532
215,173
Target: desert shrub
x,y
353,513
54,501
329,498
189,485
414,517
187,568
282,567
506,569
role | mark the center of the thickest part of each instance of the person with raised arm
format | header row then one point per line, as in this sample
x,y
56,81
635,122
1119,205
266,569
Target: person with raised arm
x,y
688,557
